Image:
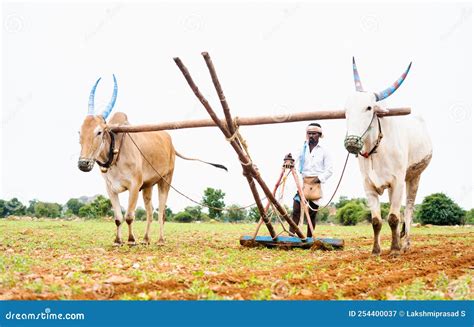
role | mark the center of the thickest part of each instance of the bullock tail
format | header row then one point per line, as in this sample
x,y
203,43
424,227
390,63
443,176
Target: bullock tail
x,y
209,163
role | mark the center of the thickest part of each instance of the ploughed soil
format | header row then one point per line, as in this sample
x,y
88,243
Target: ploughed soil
x,y
207,262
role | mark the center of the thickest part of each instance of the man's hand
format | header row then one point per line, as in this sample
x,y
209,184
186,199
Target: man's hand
x,y
316,180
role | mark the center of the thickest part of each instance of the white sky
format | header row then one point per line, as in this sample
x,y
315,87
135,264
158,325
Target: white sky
x,y
272,58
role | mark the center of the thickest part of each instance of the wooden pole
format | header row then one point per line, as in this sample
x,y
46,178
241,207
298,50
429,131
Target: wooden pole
x,y
246,164
249,168
249,121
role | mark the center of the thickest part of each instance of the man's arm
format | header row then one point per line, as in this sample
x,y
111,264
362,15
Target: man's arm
x,y
327,161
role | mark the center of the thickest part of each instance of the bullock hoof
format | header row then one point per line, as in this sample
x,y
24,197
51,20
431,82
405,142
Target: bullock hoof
x,y
406,248
161,242
394,253
376,251
131,240
118,243
146,241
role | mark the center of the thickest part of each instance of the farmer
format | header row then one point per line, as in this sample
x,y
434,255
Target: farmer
x,y
315,166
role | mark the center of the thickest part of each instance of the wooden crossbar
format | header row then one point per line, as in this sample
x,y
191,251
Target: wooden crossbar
x,y
246,121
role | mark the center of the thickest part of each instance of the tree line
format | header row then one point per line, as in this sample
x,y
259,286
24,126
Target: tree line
x,y
436,209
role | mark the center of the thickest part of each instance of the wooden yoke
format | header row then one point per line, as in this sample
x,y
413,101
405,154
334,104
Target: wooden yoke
x,y
249,121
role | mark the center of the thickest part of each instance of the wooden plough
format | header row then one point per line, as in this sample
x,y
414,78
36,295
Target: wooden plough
x,y
230,128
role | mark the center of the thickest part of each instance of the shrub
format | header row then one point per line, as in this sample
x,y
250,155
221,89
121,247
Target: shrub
x,y
235,213
439,209
323,215
469,218
351,213
140,214
194,211
87,211
183,217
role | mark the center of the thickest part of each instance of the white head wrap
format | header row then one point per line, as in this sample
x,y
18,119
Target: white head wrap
x,y
313,128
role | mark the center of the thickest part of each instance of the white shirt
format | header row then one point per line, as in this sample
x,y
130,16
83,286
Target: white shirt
x,y
316,163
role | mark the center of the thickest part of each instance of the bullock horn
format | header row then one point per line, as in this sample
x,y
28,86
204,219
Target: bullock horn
x,y
111,104
357,81
91,98
389,91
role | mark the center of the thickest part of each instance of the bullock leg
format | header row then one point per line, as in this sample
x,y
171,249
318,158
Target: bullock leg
x,y
147,192
114,199
164,189
412,189
374,204
130,215
395,195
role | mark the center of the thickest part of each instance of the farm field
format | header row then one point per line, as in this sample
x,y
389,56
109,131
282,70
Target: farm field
x,y
51,259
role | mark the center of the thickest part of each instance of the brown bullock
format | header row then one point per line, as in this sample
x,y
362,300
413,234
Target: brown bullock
x,y
124,168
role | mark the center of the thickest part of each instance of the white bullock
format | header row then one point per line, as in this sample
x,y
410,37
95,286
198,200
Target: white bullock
x,y
392,153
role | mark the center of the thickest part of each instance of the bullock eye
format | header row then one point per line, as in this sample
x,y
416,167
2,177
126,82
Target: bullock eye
x,y
99,132
369,108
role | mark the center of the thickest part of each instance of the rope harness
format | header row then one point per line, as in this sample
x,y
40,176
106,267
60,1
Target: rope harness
x,y
112,151
354,143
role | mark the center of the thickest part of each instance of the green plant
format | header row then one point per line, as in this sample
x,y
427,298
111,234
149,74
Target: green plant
x,y
469,218
351,213
140,214
183,217
439,209
194,211
235,214
74,205
215,200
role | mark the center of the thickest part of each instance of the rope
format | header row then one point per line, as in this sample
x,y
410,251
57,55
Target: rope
x,y
184,195
244,144
337,187
241,140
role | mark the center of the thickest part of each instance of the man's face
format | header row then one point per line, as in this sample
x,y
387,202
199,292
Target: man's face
x,y
313,137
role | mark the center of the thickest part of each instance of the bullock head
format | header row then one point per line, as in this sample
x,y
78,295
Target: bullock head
x,y
93,131
361,108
